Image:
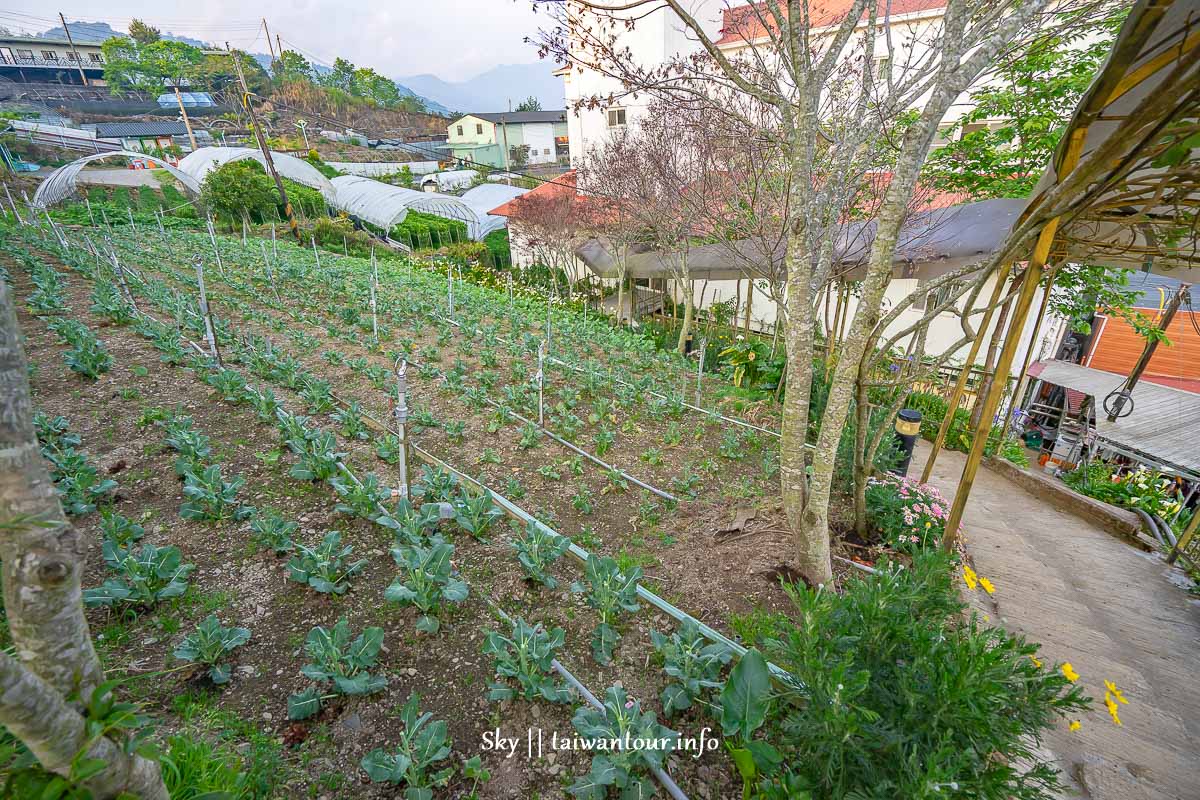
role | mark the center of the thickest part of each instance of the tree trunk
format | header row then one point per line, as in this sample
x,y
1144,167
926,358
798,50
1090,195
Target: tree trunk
x,y
681,345
43,560
812,552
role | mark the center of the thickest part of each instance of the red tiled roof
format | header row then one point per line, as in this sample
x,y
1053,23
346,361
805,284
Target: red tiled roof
x,y
742,24
562,185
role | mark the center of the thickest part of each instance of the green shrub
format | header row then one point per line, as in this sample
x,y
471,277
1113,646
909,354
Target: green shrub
x,y
902,695
239,187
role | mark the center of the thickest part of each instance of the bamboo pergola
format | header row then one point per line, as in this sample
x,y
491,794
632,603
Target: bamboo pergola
x,y
1123,189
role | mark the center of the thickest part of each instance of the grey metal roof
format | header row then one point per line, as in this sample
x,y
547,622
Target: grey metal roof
x,y
518,117
1163,425
1156,290
116,130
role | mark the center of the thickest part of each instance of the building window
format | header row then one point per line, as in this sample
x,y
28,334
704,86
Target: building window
x,y
72,56
96,58
460,133
25,55
933,299
479,129
545,151
616,118
49,55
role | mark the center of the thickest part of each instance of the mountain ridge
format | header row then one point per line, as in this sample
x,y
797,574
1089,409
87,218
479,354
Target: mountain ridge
x,y
493,89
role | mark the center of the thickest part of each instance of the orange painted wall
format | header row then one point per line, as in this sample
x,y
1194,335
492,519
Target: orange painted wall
x,y
1117,348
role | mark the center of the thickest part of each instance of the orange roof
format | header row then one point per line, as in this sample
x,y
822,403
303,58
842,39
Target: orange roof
x,y
742,24
562,185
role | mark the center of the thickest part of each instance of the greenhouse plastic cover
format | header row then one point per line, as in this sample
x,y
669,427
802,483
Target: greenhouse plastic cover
x,y
484,198
60,184
385,206
206,159
190,100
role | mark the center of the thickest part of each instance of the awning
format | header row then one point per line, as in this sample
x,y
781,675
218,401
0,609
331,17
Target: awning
x,y
1164,425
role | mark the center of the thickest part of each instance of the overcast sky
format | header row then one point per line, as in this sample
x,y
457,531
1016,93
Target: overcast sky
x,y
453,39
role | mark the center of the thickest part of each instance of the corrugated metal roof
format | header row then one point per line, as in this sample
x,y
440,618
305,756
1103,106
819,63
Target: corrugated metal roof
x,y
1164,422
117,130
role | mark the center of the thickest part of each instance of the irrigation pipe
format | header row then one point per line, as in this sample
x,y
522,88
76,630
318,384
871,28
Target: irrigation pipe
x,y
856,565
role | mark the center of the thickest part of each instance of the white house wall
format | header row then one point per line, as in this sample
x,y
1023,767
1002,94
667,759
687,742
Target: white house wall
x,y
540,138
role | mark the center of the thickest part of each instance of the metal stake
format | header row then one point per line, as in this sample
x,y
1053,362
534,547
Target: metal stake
x,y
132,224
316,254
541,380
274,249
86,202
212,235
159,218
270,272
209,332
700,368
120,273
374,314
401,425
450,287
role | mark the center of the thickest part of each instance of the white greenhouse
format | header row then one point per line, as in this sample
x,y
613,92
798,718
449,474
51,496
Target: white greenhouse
x,y
386,206
206,159
484,198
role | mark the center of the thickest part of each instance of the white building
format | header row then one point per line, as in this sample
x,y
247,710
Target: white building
x,y
661,35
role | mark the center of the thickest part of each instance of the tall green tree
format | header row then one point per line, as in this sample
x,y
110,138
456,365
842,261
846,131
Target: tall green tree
x,y
291,66
149,67
142,33
1035,92
340,76
530,103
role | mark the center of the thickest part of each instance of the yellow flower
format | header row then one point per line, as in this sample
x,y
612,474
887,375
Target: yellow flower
x,y
1115,692
1112,707
969,577
928,525
987,586
1069,672
1036,663
1075,725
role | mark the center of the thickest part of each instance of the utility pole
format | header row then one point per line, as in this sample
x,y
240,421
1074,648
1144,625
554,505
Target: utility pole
x,y
71,41
270,46
262,144
278,45
1114,404
504,133
186,122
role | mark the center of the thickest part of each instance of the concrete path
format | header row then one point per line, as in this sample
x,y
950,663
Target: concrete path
x,y
119,177
1114,612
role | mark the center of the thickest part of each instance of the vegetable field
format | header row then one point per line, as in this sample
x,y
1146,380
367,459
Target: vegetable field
x,y
572,558
260,493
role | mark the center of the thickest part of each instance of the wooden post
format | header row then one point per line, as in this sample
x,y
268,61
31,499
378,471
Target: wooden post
x,y
961,384
1029,285
74,52
1135,375
1037,328
187,123
1188,533
262,145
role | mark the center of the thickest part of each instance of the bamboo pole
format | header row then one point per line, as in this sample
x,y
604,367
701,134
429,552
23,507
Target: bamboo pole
x,y
961,384
1037,328
1186,538
1020,312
